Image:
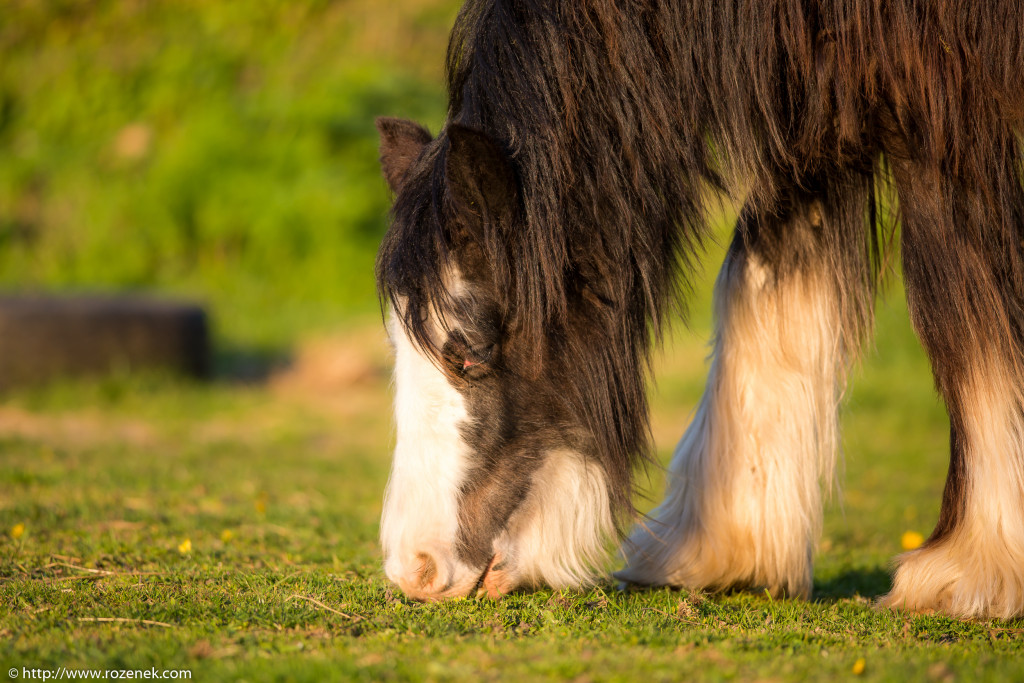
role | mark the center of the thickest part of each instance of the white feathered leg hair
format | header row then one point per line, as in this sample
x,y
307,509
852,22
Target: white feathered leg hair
x,y
743,501
962,264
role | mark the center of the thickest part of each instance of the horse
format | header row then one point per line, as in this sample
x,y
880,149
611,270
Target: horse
x,y
541,243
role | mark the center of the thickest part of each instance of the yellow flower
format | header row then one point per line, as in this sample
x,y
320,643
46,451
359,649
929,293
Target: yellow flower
x,y
17,531
858,666
911,540
226,535
185,546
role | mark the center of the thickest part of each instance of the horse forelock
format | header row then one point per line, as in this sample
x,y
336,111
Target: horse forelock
x,y
415,254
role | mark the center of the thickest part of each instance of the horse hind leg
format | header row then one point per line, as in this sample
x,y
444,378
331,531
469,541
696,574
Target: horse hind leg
x,y
743,501
964,271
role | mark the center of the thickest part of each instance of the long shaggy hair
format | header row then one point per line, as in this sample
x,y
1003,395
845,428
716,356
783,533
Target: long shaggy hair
x,y
617,116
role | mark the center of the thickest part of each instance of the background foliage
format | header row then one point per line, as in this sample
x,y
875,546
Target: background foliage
x,y
219,150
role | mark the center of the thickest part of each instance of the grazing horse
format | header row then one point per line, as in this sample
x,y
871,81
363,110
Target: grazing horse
x,y
540,242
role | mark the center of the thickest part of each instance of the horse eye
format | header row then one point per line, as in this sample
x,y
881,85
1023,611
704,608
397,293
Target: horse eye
x,y
478,355
470,362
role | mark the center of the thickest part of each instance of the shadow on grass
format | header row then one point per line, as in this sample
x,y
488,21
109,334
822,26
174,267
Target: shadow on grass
x,y
866,582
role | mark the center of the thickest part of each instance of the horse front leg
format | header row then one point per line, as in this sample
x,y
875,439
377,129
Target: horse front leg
x,y
743,504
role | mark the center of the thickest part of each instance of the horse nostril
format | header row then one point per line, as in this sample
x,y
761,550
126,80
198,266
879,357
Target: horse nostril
x,y
427,571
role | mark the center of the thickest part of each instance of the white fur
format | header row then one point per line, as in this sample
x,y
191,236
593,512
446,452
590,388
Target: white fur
x,y
559,536
743,500
420,517
978,569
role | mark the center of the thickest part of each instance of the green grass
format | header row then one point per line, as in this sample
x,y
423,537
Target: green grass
x,y
278,493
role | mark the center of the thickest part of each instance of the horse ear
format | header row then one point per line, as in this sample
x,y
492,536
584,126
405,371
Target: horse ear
x,y
401,142
480,175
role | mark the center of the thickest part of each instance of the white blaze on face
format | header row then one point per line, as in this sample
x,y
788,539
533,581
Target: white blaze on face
x,y
420,520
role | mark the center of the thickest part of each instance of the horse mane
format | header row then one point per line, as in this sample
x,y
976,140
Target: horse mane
x,y
618,115
611,193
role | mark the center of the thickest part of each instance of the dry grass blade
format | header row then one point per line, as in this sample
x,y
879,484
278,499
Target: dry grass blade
x,y
353,617
677,617
79,568
96,573
122,620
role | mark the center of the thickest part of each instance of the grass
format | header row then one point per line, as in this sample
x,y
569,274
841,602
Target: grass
x,y
230,529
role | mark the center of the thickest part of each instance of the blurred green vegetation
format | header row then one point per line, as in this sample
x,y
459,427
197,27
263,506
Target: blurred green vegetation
x,y
224,151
